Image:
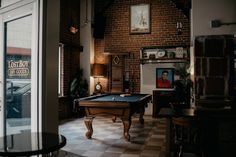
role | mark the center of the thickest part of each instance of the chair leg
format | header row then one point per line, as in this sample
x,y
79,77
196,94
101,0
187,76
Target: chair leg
x,y
176,152
180,151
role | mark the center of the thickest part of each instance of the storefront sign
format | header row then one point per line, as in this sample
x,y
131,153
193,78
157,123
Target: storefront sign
x,y
18,67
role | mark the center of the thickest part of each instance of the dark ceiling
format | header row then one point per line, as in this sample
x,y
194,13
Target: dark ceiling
x,y
183,5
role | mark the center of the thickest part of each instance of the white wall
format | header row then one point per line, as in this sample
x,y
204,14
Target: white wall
x,y
204,11
87,41
8,2
148,80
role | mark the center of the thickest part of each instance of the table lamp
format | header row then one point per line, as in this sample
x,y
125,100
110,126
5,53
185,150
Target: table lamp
x,y
98,71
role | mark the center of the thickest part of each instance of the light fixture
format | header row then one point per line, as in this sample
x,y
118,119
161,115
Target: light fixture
x,y
98,71
73,24
73,29
179,27
218,23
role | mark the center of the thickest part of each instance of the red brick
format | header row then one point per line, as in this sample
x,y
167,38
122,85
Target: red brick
x,y
164,16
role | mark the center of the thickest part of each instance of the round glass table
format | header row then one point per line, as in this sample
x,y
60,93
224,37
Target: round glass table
x,y
31,143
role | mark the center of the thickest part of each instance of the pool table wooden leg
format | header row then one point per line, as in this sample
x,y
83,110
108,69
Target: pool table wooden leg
x,y
114,119
88,122
141,120
127,124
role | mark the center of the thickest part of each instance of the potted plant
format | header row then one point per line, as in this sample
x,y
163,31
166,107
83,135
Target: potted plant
x,y
184,85
78,89
78,86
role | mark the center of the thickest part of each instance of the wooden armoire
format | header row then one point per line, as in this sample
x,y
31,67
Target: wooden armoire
x,y
214,70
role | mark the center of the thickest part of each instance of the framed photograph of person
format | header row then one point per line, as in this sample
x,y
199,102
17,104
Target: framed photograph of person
x,y
140,19
165,78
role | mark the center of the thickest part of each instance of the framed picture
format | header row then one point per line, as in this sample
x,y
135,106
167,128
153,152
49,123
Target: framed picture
x,y
140,19
165,78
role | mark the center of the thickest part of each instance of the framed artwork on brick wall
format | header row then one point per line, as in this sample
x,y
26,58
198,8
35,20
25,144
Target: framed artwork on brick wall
x,y
140,19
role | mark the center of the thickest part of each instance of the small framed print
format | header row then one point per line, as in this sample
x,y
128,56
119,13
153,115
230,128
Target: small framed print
x,y
140,19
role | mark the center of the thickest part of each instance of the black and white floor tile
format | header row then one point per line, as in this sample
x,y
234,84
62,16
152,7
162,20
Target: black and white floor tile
x,y
147,140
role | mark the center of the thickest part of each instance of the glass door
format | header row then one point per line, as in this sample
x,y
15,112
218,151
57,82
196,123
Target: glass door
x,y
18,69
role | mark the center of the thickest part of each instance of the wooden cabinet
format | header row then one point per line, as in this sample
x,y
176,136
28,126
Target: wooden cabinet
x,y
117,73
214,70
161,99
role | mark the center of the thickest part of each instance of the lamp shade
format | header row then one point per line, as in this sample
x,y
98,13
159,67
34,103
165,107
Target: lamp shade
x,y
98,70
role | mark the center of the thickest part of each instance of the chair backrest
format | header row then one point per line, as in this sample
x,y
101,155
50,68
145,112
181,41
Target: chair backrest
x,y
186,130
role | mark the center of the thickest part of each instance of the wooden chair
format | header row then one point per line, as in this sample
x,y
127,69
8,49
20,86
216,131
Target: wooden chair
x,y
186,136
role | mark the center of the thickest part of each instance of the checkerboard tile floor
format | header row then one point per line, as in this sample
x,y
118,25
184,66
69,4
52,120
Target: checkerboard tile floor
x,y
147,140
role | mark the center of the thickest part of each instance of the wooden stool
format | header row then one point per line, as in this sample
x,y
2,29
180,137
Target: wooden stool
x,y
186,136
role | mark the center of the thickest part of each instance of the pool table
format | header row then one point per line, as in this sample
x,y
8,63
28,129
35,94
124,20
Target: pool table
x,y
123,106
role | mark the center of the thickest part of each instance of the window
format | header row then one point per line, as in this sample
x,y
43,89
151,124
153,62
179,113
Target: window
x,y
60,70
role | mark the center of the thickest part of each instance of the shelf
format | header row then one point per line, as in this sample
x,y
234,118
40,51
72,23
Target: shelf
x,y
164,54
164,60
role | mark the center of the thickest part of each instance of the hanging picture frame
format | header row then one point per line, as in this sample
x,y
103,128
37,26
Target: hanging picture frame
x,y
140,19
165,78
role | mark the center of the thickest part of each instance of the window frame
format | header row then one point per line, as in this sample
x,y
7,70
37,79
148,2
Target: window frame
x,y
60,69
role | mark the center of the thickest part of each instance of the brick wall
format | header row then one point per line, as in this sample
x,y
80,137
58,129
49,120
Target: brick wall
x,y
118,39
70,59
70,14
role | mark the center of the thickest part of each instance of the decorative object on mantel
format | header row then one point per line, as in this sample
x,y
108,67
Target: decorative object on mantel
x,y
179,52
152,56
170,54
98,71
161,53
164,54
145,55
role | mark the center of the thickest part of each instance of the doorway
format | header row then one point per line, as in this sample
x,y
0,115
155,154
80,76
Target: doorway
x,y
19,67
